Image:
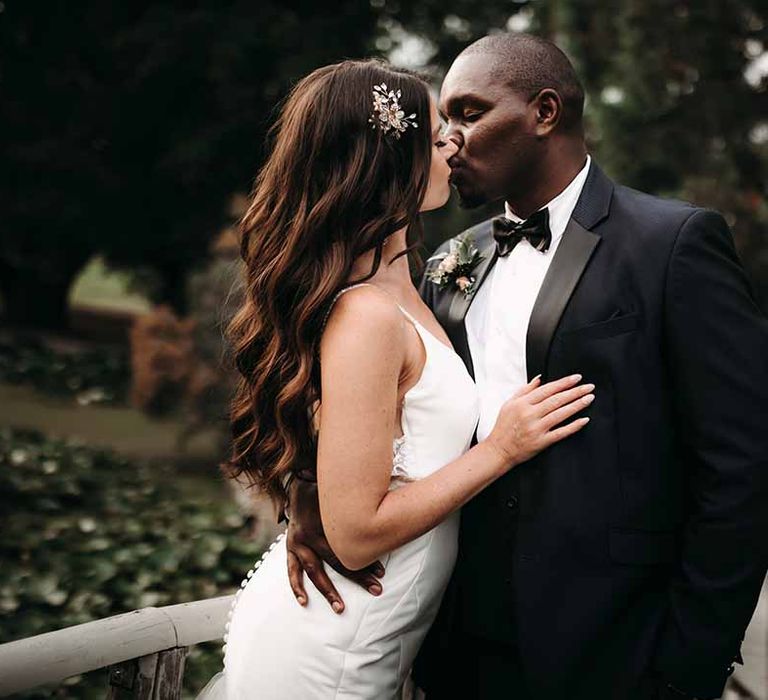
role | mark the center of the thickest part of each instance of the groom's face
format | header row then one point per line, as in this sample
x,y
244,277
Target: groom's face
x,y
494,128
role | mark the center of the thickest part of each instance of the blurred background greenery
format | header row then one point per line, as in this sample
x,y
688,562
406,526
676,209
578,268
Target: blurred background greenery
x,y
131,133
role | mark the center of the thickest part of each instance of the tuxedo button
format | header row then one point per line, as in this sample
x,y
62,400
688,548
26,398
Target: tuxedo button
x,y
512,502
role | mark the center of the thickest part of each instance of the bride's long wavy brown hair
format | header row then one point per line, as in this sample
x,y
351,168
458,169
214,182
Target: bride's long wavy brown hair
x,y
332,189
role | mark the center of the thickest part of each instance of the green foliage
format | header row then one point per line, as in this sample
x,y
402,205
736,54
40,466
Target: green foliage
x,y
143,120
150,118
88,534
675,106
676,103
93,376
146,119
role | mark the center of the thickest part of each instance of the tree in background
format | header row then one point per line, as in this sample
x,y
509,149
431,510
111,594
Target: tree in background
x,y
677,95
127,128
678,102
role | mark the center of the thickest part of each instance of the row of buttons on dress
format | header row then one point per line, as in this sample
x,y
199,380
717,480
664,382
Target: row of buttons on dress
x,y
243,584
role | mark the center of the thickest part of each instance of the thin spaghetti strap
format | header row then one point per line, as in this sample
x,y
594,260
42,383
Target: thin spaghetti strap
x,y
338,294
397,303
420,328
368,284
352,286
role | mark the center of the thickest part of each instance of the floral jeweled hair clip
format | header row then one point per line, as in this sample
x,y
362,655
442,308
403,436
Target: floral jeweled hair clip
x,y
387,114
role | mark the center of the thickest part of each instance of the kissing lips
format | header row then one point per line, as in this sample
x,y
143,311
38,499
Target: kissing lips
x,y
459,171
457,175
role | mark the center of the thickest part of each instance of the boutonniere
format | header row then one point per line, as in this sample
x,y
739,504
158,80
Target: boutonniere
x,y
456,265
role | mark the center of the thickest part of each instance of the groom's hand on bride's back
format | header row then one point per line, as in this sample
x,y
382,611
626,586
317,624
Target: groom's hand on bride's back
x,y
308,549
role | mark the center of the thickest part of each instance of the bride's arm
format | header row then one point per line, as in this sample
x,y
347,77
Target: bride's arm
x,y
363,353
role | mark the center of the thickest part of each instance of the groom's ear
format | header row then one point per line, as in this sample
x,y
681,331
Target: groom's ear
x,y
548,108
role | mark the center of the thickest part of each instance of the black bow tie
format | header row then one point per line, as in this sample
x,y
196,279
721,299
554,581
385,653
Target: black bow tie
x,y
509,233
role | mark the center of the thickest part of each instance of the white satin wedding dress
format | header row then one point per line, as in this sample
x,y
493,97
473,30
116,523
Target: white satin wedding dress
x,y
278,650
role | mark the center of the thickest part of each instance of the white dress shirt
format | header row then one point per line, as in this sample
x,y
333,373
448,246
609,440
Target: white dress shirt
x,y
497,320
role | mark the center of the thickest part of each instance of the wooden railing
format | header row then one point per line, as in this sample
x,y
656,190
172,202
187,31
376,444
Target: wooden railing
x,y
145,652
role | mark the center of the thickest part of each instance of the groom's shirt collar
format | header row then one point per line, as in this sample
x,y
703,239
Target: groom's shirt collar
x,y
497,329
560,207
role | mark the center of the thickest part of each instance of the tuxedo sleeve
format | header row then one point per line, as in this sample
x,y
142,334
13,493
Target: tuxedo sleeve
x,y
717,350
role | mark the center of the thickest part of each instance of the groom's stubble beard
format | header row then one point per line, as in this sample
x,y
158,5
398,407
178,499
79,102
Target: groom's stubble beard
x,y
523,178
470,200
506,164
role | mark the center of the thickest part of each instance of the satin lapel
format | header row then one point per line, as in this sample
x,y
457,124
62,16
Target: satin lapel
x,y
455,307
571,258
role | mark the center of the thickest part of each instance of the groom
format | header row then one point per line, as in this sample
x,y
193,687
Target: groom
x,y
625,562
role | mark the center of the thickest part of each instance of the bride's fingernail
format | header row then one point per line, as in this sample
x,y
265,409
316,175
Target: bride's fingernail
x,y
337,606
373,589
302,600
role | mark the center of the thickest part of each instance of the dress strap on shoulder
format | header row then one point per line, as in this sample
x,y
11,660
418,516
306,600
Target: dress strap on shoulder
x,y
338,294
351,286
367,284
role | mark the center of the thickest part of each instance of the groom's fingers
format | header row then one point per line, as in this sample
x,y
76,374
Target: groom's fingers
x,y
313,568
296,578
367,578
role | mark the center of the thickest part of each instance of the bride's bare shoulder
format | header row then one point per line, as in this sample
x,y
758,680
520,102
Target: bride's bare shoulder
x,y
364,318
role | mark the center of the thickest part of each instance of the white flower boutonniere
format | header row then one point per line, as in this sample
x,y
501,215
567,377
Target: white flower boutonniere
x,y
456,265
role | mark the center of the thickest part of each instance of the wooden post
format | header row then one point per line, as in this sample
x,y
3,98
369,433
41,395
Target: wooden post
x,y
170,674
133,680
153,677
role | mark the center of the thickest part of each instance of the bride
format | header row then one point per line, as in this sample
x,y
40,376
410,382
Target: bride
x,y
346,373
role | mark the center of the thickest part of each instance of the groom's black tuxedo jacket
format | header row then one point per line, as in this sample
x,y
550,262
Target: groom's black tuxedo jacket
x,y
638,545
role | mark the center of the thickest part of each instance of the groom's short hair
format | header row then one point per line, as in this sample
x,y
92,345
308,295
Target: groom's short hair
x,y
528,64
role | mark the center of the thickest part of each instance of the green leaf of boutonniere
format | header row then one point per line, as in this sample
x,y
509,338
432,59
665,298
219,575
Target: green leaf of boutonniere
x,y
455,266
